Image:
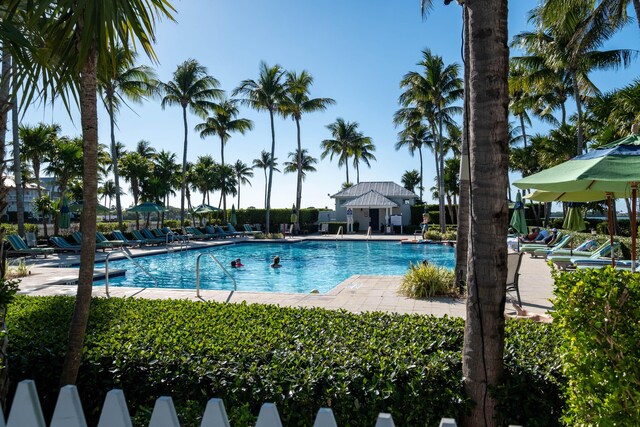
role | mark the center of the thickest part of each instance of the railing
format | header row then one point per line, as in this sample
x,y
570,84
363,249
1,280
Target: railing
x,y
183,240
369,232
106,269
235,285
339,233
27,411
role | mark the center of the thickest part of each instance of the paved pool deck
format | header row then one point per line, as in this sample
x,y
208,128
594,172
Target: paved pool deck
x,y
360,293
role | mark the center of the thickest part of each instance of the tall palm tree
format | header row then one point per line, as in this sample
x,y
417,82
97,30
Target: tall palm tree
x,y
194,90
135,168
223,122
413,136
410,179
562,44
36,146
65,164
243,172
297,102
362,150
119,79
167,170
345,137
204,173
266,162
265,94
145,149
306,166
109,192
432,94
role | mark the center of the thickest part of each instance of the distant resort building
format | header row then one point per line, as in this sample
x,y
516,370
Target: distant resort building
x,y
372,204
30,196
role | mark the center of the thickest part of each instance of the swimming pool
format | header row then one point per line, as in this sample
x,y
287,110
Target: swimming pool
x,y
305,266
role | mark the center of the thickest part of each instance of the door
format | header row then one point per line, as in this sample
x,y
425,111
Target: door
x,y
374,219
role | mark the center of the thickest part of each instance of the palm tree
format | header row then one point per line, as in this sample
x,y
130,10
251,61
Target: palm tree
x,y
265,94
306,166
119,79
432,94
242,172
265,162
109,191
191,88
145,149
45,207
362,150
410,179
296,102
345,137
135,168
65,164
221,124
167,170
204,174
562,44
36,146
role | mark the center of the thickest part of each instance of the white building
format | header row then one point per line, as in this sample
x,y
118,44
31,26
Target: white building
x,y
373,204
30,195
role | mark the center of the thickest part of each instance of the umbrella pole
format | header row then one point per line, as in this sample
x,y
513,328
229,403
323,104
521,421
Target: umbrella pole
x,y
634,228
610,216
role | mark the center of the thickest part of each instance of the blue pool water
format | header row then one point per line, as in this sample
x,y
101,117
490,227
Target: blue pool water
x,y
305,266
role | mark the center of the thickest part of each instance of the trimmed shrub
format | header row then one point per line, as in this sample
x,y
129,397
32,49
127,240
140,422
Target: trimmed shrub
x,y
172,223
598,313
108,227
300,359
426,281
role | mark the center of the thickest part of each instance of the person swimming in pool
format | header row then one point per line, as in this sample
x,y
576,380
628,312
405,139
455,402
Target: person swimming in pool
x,y
239,263
276,262
234,264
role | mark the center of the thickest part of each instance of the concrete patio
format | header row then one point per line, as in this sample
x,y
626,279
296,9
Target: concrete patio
x,y
55,276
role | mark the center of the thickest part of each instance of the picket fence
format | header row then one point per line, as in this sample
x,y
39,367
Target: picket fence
x,y
27,412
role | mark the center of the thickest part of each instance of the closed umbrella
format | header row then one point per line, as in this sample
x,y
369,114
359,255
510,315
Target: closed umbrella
x,y
613,168
233,219
518,221
574,220
64,219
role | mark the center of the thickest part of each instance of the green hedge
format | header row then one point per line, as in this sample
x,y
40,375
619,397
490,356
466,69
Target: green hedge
x,y
598,314
301,359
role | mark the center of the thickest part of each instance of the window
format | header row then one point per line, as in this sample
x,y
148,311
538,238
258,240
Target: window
x,y
406,201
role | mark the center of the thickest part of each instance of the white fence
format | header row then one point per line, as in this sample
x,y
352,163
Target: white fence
x,y
27,412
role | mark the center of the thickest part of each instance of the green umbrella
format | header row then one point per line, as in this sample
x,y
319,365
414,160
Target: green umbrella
x,y
613,168
518,220
294,215
574,219
147,207
64,219
77,206
233,218
572,196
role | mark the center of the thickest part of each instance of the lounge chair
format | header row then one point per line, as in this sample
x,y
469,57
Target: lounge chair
x,y
148,234
31,239
233,231
19,246
581,250
324,228
564,261
198,235
145,241
62,245
101,238
249,230
120,236
77,236
172,235
514,260
544,252
532,247
221,232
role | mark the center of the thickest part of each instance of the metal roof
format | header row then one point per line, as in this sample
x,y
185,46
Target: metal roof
x,y
372,199
387,189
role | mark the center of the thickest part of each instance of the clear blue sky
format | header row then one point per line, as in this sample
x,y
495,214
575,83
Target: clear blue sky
x,y
356,50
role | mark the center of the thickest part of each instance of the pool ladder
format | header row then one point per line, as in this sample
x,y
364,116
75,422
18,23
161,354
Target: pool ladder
x,y
339,233
183,241
235,285
126,254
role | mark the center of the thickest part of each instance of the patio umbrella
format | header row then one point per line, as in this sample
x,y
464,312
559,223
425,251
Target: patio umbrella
x,y
204,209
573,196
64,219
148,207
518,221
78,205
233,219
613,168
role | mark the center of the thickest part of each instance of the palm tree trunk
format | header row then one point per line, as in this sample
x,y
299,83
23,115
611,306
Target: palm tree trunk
x,y
421,173
482,365
576,95
224,187
524,129
273,154
443,217
346,166
184,167
239,186
114,160
89,120
357,173
299,179
17,169
266,183
5,106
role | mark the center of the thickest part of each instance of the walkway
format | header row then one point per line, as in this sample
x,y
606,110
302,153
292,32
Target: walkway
x,y
52,276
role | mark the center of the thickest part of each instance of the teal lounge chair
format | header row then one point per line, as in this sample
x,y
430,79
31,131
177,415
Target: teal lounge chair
x,y
249,230
233,231
532,247
212,231
582,250
544,252
144,241
19,246
62,245
148,234
221,232
564,261
77,236
120,236
172,235
197,234
101,238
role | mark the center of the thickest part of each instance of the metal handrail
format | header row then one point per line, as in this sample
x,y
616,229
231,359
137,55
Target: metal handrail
x,y
177,238
106,269
340,232
235,285
369,233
